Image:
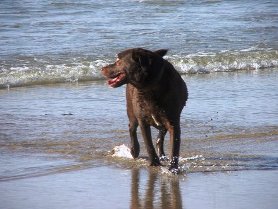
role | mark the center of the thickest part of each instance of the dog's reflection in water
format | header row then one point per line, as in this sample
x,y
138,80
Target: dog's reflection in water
x,y
155,192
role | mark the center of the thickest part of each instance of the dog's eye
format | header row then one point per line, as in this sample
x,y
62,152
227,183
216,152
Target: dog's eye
x,y
118,62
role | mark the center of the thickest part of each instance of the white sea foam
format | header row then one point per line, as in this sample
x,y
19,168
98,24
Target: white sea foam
x,y
195,157
225,61
41,71
121,151
31,70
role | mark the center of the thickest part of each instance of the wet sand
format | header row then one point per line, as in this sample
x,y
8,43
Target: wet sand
x,y
110,187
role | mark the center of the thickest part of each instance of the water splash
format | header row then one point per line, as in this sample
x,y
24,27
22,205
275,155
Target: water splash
x,y
121,151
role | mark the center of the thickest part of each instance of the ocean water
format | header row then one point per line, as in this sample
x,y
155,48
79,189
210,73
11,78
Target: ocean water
x,y
60,120
68,41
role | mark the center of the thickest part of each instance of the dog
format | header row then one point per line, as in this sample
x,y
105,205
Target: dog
x,y
155,96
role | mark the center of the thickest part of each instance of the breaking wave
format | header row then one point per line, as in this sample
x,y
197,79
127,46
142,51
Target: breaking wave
x,y
30,70
226,61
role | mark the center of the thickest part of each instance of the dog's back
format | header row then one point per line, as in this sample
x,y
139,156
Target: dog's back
x,y
167,97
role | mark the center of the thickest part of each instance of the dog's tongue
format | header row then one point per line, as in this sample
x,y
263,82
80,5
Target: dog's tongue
x,y
112,81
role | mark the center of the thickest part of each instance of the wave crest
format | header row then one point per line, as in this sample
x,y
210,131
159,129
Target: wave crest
x,y
44,72
22,71
226,61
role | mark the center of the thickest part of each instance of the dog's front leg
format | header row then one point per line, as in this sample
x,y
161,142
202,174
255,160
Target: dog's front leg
x,y
135,147
146,133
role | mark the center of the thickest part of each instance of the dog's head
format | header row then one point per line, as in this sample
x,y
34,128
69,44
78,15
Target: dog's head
x,y
137,66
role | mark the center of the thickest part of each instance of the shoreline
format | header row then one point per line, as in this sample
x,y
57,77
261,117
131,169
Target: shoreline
x,y
96,77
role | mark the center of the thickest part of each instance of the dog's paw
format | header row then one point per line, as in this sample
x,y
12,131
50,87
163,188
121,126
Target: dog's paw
x,y
174,170
134,152
155,162
163,158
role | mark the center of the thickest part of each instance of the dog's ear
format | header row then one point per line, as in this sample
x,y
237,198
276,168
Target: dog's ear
x,y
143,59
161,52
123,53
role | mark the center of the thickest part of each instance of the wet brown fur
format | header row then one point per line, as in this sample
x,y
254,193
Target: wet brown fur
x,y
155,96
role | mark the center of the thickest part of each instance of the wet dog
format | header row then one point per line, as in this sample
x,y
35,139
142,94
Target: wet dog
x,y
155,96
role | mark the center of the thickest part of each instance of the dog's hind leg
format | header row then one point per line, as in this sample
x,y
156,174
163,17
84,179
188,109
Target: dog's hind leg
x,y
146,133
175,141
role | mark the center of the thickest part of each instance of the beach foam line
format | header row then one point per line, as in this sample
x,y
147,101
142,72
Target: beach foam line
x,y
30,70
40,71
225,61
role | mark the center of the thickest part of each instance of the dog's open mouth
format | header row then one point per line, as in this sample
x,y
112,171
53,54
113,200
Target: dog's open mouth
x,y
117,80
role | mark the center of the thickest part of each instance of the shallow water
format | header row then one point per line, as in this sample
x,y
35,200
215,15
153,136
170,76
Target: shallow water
x,y
106,187
233,127
57,139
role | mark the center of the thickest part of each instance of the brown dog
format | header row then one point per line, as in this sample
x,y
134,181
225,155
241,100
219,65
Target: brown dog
x,y
155,94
